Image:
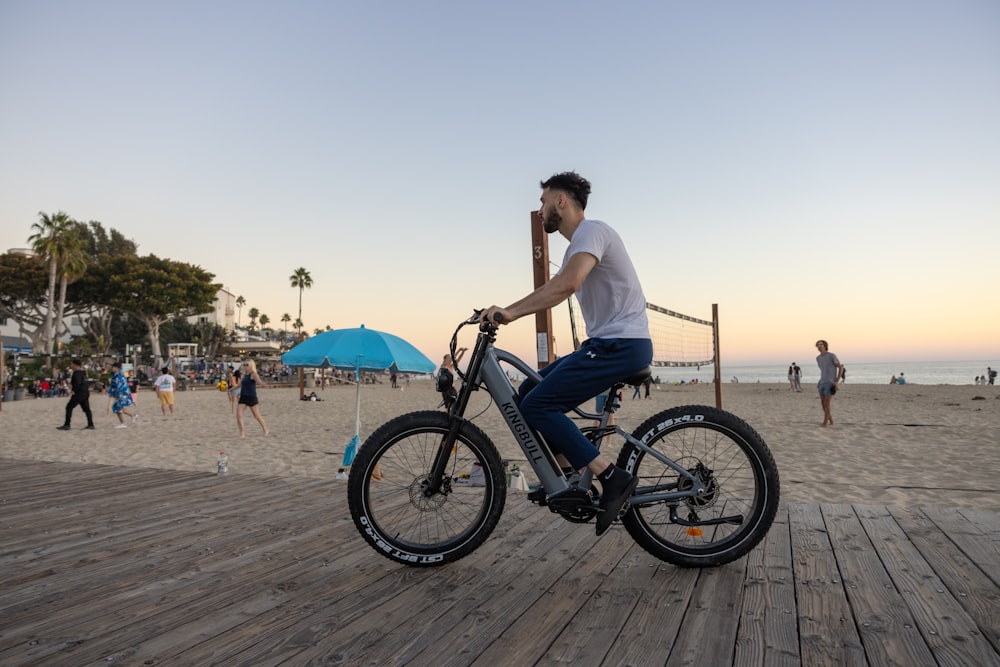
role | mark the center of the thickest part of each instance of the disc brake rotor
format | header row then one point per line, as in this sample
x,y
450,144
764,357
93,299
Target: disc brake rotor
x,y
426,503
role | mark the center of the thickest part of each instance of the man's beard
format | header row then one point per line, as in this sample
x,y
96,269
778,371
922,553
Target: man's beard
x,y
551,221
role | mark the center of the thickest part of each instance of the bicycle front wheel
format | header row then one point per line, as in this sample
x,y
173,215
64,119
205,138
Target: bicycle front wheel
x,y
734,469
386,490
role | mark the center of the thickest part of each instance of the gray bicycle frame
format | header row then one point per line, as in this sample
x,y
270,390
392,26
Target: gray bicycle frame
x,y
539,456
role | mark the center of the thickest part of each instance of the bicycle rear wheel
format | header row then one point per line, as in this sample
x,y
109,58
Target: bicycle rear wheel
x,y
736,470
385,490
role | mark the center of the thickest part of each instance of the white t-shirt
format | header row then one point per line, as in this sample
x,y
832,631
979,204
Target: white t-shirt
x,y
610,297
165,382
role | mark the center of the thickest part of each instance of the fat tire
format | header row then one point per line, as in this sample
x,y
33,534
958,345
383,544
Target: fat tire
x,y
396,519
721,440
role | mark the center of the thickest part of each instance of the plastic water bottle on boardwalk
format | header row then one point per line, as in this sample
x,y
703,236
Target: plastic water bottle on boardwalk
x,y
223,465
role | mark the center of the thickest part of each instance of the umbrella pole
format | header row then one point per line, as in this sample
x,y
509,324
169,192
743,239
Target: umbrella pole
x,y
357,402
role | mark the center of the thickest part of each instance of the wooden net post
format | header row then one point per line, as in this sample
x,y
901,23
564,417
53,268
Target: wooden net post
x,y
715,352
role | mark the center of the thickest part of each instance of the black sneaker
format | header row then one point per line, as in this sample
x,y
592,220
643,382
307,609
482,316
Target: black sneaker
x,y
64,427
615,493
89,427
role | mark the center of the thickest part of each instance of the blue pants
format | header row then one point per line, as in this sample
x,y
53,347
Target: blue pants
x,y
569,381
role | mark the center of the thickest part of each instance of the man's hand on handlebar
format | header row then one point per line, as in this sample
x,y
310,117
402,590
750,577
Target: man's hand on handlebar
x,y
495,315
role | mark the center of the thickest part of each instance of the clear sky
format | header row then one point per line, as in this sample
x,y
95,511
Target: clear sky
x,y
819,170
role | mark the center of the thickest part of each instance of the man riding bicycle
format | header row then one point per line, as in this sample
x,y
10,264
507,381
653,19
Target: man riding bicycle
x,y
597,268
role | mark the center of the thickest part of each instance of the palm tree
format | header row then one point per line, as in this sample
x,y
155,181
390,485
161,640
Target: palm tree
x,y
264,320
297,324
50,237
240,302
301,279
72,266
285,319
253,313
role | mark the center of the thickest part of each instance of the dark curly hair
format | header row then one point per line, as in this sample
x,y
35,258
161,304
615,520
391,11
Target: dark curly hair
x,y
573,184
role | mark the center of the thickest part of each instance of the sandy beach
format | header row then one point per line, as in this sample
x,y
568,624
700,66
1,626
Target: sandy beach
x,y
911,445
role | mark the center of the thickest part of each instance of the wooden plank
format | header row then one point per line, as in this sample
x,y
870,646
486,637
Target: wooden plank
x,y
768,632
115,519
827,631
593,634
969,585
408,617
195,529
885,624
532,620
976,533
129,589
713,612
648,636
494,606
938,615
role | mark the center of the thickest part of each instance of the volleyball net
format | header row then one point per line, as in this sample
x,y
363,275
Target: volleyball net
x,y
681,340
678,340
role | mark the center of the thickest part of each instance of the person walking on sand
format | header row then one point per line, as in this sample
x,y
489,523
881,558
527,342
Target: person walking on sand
x,y
797,375
81,396
120,397
248,397
164,388
791,379
829,376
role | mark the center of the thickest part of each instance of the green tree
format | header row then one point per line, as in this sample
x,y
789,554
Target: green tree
x,y
23,294
53,237
240,302
212,338
285,319
302,280
155,290
264,321
253,313
88,297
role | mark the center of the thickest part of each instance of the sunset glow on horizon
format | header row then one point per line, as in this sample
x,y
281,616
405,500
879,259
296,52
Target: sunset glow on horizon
x,y
818,171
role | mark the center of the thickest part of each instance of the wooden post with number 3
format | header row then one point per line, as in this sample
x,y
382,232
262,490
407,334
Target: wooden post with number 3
x,y
540,264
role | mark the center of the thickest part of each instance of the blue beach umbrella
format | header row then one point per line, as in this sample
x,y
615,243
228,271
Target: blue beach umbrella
x,y
363,351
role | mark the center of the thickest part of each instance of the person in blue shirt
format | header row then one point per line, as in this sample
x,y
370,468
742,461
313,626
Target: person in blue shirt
x,y
120,397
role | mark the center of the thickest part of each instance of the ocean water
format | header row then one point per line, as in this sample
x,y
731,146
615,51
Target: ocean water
x,y
916,372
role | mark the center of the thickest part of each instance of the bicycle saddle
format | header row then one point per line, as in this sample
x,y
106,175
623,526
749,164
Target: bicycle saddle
x,y
638,378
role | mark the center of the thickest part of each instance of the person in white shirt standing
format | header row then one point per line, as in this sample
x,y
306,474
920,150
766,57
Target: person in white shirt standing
x,y
163,385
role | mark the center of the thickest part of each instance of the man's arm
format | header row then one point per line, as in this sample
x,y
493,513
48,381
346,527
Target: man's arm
x,y
552,293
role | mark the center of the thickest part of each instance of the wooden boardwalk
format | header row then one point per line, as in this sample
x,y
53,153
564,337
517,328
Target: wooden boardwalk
x,y
125,566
